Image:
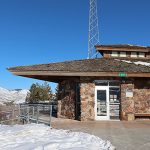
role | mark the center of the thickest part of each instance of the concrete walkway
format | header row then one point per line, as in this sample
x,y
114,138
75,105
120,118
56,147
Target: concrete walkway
x,y
122,134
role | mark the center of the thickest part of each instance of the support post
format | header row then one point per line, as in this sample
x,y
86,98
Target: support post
x,y
13,113
33,112
19,114
37,117
50,115
28,115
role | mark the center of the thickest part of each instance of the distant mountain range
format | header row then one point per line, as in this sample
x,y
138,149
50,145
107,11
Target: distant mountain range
x,y
16,96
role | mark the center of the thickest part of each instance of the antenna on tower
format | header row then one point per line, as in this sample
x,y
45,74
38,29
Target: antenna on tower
x,y
93,29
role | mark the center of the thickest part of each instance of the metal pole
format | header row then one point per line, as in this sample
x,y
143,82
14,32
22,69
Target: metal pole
x,y
37,119
23,115
33,112
19,114
12,116
28,116
50,115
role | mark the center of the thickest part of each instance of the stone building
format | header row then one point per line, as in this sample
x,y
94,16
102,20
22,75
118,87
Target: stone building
x,y
116,86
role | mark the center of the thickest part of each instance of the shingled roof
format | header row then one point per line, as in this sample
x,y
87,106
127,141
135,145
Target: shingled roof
x,y
102,67
89,65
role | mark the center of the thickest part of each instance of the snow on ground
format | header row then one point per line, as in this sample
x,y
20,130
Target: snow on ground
x,y
42,137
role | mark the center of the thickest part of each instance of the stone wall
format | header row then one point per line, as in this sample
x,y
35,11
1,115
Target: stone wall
x,y
127,103
87,98
87,91
66,100
140,102
67,106
142,96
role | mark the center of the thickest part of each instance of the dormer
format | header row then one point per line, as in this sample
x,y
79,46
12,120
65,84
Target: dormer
x,y
124,51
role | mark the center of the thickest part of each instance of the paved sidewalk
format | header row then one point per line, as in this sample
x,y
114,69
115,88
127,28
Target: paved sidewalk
x,y
122,134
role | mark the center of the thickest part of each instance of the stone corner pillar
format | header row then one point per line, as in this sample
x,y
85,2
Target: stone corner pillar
x,y
87,97
127,103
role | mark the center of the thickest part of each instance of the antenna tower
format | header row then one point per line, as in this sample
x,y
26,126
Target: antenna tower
x,y
93,29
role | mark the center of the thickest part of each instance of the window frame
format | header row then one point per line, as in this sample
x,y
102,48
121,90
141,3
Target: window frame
x,y
114,54
124,54
132,55
141,55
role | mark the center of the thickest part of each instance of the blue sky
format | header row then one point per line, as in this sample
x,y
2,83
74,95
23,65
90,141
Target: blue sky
x,y
43,31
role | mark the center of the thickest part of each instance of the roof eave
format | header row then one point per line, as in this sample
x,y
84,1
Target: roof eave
x,y
78,74
122,48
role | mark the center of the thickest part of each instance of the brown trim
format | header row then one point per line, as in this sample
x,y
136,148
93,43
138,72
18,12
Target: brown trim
x,y
122,49
78,74
55,79
142,114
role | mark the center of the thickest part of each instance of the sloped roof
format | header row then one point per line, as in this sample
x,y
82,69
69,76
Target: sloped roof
x,y
88,65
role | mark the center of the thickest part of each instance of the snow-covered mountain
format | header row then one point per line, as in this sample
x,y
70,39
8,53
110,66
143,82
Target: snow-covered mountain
x,y
16,96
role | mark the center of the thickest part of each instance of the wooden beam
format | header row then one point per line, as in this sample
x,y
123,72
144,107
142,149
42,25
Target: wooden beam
x,y
142,114
122,49
55,79
78,74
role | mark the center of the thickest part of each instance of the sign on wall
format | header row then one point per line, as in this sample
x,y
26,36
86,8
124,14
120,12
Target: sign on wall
x,y
129,93
123,74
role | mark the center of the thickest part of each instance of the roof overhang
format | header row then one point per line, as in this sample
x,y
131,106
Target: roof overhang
x,y
122,48
61,75
103,67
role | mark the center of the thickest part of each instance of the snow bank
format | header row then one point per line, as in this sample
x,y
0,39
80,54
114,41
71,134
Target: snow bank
x,y
42,137
16,96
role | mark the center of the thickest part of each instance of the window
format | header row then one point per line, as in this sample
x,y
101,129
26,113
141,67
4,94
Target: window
x,y
141,55
114,54
123,54
134,54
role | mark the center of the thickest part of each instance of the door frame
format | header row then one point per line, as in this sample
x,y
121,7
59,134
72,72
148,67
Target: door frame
x,y
107,103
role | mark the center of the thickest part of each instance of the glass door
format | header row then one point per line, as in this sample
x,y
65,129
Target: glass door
x,y
102,103
114,102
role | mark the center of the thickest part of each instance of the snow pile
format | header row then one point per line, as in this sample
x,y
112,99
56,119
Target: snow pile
x,y
127,61
142,63
42,137
137,62
16,96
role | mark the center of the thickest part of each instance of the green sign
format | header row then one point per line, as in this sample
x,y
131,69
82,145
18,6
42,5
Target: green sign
x,y
122,74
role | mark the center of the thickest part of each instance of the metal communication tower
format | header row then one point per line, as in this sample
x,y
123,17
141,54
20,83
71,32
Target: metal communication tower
x,y
93,29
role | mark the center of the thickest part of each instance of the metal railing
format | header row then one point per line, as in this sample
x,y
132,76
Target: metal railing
x,y
37,113
28,113
9,117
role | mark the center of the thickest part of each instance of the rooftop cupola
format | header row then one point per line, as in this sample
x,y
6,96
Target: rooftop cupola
x,y
124,51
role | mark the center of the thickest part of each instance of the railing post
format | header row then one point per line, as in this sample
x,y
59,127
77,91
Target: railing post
x,y
50,115
28,115
19,114
23,115
37,119
32,112
13,113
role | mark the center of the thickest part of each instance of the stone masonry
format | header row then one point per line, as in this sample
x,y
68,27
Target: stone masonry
x,y
142,96
140,102
66,100
87,91
127,103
